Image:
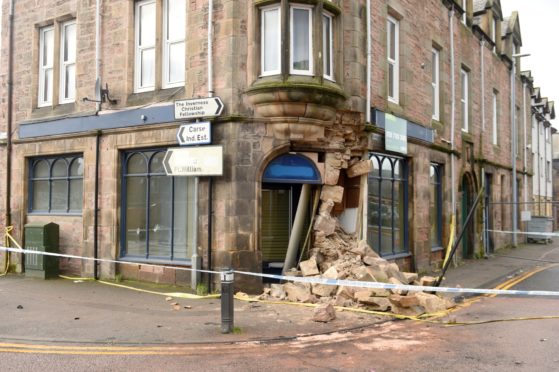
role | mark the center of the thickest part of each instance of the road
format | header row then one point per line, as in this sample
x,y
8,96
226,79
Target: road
x,y
466,344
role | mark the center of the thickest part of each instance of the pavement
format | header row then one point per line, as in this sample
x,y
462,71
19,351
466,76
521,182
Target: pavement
x,y
83,311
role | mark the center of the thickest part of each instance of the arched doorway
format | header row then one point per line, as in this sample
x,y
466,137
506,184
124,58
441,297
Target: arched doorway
x,y
286,192
468,196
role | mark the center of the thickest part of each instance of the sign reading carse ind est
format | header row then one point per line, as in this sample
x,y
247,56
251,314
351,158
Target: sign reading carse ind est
x,y
198,108
195,134
395,134
194,161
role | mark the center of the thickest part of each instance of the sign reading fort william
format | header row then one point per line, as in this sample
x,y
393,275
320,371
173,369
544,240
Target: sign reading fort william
x,y
194,161
198,108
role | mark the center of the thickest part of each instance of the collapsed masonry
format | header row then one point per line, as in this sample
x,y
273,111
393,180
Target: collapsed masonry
x,y
338,255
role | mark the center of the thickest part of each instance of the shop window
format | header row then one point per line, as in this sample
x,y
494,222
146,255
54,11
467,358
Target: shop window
x,y
56,184
158,211
171,46
435,205
387,222
62,55
302,54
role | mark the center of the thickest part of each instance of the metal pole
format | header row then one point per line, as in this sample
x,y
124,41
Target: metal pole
x,y
457,242
227,309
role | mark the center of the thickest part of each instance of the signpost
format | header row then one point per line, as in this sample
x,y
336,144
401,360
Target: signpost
x,y
195,134
198,108
194,161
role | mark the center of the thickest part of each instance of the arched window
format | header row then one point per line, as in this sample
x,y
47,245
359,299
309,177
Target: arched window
x,y
158,214
291,168
387,223
56,184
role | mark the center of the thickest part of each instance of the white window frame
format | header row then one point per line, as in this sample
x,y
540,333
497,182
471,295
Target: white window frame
x,y
464,99
167,44
495,118
64,65
494,33
292,38
465,9
435,83
138,88
395,63
328,39
264,10
44,70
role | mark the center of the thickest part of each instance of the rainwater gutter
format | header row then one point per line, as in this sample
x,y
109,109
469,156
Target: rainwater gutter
x,y
369,58
210,180
97,140
452,118
9,116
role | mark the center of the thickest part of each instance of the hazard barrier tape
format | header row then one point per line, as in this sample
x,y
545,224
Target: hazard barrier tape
x,y
29,251
325,281
526,232
405,287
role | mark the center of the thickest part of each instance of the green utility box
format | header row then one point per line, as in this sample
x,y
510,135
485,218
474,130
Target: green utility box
x,y
42,237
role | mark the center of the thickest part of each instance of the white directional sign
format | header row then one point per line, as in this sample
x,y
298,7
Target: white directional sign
x,y
198,108
195,134
194,161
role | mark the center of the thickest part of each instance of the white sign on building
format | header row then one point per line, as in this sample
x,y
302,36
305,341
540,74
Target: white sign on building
x,y
195,134
194,161
198,108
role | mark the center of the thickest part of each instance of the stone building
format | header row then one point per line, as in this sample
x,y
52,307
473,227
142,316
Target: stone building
x,y
392,136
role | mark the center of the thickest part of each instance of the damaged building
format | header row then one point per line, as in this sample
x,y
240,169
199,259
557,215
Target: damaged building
x,y
381,118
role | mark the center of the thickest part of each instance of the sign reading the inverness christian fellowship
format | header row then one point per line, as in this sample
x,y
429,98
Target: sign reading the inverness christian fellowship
x,y
396,134
198,108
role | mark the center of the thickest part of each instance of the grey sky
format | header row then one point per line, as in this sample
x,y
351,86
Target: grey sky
x,y
539,26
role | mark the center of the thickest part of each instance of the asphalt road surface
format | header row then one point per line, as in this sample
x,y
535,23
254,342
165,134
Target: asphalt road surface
x,y
485,334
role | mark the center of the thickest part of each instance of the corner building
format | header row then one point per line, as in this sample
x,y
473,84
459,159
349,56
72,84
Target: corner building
x,y
311,105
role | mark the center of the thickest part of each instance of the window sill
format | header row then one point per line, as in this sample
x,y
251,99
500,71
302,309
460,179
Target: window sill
x,y
58,214
53,111
139,260
154,96
396,256
436,249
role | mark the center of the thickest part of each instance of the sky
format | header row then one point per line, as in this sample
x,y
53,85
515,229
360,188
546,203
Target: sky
x,y
539,27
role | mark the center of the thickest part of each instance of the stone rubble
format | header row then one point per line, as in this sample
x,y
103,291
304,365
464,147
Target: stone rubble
x,y
338,255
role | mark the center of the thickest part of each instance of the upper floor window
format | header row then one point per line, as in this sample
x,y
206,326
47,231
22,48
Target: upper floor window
x,y
393,31
46,65
495,119
465,9
56,184
328,46
148,46
435,83
494,33
271,41
60,56
301,40
302,52
464,99
68,62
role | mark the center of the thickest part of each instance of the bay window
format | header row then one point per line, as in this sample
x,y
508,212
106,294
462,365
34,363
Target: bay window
x,y
303,56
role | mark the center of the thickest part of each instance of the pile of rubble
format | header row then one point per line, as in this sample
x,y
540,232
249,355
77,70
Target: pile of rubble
x,y
341,256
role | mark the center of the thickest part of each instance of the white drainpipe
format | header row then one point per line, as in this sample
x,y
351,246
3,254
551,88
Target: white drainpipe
x,y
452,116
210,49
97,48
